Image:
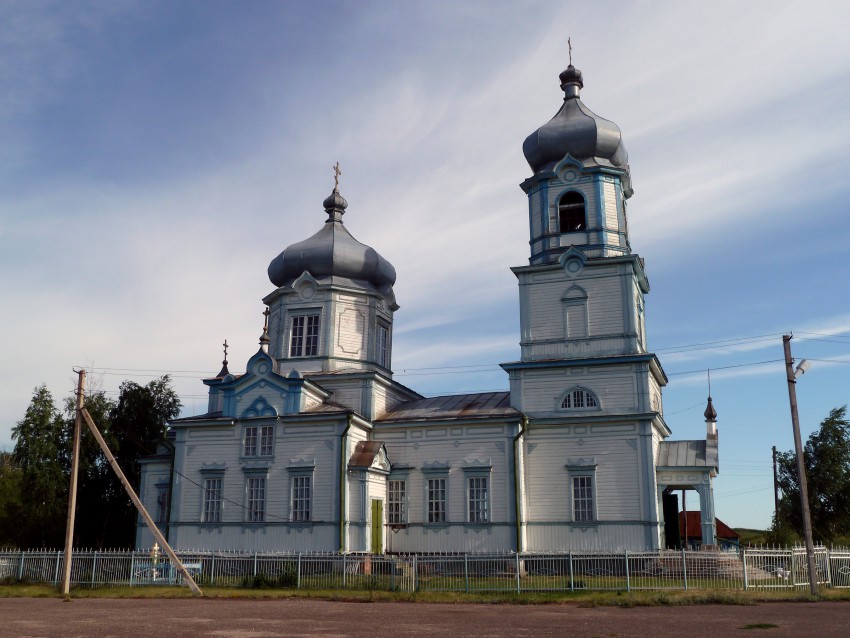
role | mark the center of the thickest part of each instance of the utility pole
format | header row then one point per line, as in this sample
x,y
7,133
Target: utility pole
x,y
775,490
801,466
72,492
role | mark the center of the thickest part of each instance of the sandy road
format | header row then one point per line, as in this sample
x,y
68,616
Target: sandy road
x,y
220,618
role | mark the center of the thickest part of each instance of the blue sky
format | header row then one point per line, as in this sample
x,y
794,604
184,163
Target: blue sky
x,y
157,155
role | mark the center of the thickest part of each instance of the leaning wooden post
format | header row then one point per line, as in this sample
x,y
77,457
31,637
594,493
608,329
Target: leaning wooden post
x,y
72,492
147,517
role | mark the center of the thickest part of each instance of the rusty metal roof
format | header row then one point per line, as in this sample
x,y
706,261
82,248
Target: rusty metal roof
x,y
695,526
687,454
456,406
365,453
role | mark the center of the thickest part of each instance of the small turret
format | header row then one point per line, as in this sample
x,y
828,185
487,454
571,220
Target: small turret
x,y
710,421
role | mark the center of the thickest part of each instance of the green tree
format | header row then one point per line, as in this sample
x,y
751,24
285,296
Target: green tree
x,y
41,455
10,499
95,478
827,461
136,424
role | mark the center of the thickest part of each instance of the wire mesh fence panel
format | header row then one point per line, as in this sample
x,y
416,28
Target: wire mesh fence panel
x,y
490,573
440,573
656,570
839,568
599,571
769,568
110,568
759,568
542,572
322,572
40,567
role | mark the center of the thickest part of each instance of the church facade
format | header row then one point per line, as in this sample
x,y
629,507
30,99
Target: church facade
x,y
316,448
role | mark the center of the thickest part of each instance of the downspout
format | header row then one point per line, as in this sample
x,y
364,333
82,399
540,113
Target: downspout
x,y
343,444
523,424
168,444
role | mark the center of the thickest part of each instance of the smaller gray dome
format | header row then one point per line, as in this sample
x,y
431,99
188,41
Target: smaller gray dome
x,y
576,130
333,252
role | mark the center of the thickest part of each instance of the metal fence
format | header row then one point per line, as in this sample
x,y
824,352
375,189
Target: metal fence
x,y
751,568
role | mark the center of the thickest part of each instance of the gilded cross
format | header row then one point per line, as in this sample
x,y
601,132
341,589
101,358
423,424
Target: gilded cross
x,y
570,45
337,173
266,314
225,349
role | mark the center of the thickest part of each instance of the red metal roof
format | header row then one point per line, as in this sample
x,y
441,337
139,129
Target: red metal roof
x,y
695,526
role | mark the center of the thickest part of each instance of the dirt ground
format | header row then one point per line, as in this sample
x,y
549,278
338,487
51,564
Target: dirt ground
x,y
190,618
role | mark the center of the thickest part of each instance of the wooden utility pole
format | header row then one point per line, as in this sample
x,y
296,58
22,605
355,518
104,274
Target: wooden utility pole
x,y
775,490
72,491
801,466
138,503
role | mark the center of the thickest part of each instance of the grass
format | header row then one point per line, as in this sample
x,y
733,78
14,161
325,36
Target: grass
x,y
581,598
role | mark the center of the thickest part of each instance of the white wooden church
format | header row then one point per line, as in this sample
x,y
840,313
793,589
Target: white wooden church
x,y
316,448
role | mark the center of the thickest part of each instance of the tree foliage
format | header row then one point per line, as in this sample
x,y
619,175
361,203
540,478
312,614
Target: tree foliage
x,y
827,462
10,499
41,463
41,454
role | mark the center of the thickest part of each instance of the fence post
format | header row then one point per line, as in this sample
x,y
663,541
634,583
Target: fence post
x,y
132,566
298,576
93,568
255,564
744,561
572,581
392,573
685,568
21,566
517,573
343,571
466,570
628,579
212,570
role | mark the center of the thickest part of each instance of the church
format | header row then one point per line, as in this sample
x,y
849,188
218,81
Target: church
x,y
316,448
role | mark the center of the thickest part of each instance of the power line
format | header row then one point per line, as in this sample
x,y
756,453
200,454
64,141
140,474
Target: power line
x,y
739,365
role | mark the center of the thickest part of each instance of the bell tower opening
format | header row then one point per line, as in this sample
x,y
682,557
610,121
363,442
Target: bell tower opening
x,y
572,213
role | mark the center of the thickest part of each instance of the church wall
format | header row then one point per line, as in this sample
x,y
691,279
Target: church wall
x,y
604,537
617,477
351,326
153,474
445,451
220,448
615,388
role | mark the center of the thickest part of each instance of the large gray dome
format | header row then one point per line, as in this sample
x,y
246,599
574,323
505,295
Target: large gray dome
x,y
576,130
333,252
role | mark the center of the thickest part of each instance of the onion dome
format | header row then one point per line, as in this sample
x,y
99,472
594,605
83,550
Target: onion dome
x,y
710,413
333,252
577,131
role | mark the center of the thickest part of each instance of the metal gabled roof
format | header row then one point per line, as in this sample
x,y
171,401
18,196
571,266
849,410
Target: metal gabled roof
x,y
687,454
456,406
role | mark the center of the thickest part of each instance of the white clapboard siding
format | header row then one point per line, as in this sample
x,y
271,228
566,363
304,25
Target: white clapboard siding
x,y
617,480
602,537
609,191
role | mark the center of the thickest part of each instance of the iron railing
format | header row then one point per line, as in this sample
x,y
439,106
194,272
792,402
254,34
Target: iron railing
x,y
750,568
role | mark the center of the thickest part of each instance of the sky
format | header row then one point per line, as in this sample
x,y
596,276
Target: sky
x,y
156,156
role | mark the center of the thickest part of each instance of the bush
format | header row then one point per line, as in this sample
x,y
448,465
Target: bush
x,y
285,578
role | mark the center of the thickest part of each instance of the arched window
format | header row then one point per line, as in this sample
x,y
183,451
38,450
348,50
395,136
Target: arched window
x,y
571,213
579,399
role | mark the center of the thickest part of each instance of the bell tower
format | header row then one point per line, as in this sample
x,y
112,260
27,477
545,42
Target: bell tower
x,y
590,388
